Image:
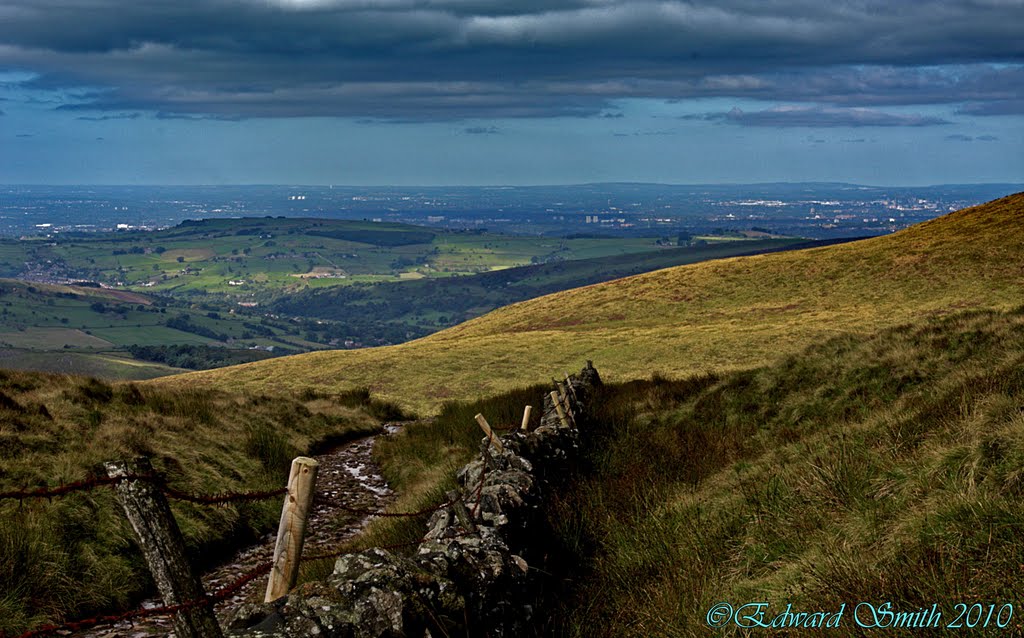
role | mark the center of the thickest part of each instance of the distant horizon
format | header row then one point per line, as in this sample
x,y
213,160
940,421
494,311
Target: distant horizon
x,y
498,185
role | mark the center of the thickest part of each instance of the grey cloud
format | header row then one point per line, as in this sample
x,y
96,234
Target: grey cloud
x,y
162,115
439,59
104,118
959,137
817,117
998,107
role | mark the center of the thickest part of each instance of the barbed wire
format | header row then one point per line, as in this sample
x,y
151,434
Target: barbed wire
x,y
83,485
90,484
222,593
217,499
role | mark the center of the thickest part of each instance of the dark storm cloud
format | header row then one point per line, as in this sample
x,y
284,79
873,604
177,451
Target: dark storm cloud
x,y
443,59
816,117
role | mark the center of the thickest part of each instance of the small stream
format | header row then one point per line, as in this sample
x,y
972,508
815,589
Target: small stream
x,y
347,476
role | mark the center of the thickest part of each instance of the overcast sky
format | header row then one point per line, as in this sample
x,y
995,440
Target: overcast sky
x,y
525,92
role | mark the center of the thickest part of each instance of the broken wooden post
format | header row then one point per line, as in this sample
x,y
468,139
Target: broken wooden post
x,y
563,397
526,418
486,427
291,533
163,547
572,389
558,408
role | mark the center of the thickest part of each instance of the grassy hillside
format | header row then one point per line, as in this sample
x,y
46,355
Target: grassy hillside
x,y
76,554
427,303
886,468
715,315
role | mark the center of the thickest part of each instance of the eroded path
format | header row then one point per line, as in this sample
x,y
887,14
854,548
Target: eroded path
x,y
348,477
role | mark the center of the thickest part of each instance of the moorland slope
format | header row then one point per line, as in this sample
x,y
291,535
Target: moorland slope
x,y
723,314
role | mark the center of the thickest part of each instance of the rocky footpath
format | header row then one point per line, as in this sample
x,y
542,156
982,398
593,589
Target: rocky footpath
x,y
471,574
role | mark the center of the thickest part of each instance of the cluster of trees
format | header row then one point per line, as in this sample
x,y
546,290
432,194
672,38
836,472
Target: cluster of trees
x,y
202,357
185,324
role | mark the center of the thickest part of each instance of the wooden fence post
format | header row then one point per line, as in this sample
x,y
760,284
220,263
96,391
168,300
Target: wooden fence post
x,y
558,408
291,533
526,418
163,548
486,427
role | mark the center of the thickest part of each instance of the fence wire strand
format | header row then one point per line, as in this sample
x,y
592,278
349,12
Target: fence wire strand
x,y
225,592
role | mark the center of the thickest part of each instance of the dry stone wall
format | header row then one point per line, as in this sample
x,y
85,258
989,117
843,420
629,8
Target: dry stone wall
x,y
471,575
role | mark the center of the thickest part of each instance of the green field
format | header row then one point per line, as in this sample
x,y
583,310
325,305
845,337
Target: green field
x,y
274,254
44,338
109,365
89,330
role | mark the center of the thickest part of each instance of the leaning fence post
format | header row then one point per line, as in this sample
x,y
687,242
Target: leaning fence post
x,y
558,408
526,418
291,532
163,547
486,427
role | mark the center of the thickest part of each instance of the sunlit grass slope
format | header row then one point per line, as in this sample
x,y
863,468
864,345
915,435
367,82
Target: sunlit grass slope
x,y
722,314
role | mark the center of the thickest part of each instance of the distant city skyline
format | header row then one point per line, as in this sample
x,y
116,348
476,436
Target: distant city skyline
x,y
449,92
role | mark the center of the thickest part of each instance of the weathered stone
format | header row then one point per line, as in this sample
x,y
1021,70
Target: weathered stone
x,y
464,579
